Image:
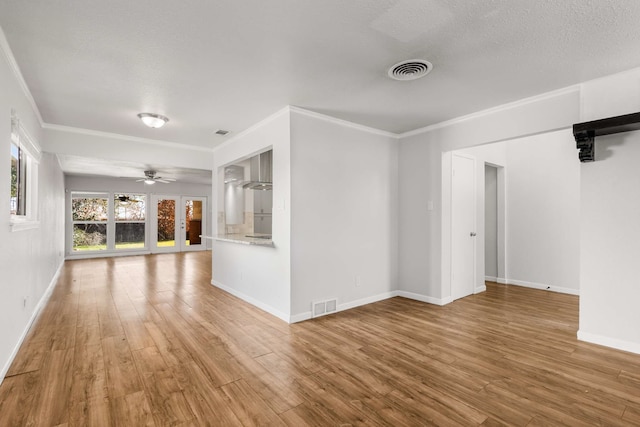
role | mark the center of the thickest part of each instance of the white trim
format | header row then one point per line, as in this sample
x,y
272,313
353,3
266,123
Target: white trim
x,y
502,280
342,122
11,60
425,298
104,253
300,317
280,315
367,300
493,110
490,279
250,129
544,287
101,134
616,343
480,289
34,316
346,306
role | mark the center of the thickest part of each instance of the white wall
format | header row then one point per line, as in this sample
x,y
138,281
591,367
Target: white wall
x,y
490,222
422,250
29,259
260,275
127,185
543,212
344,213
610,208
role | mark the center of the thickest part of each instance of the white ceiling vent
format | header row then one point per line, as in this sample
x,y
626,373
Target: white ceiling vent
x,y
410,69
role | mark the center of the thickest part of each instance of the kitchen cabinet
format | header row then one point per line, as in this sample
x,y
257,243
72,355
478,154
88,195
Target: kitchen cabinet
x,y
262,201
262,210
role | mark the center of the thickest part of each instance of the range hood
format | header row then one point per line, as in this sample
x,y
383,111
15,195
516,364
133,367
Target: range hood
x,y
261,172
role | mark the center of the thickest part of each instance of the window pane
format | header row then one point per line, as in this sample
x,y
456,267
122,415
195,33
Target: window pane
x,y
89,237
129,207
89,209
15,159
18,181
22,184
166,222
130,235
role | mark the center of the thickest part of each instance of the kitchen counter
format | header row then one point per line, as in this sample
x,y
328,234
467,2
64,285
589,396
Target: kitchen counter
x,y
262,240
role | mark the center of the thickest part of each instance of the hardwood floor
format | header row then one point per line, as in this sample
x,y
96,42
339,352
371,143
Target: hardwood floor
x,y
148,341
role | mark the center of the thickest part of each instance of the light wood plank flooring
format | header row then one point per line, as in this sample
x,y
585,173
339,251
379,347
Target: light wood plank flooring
x,y
147,340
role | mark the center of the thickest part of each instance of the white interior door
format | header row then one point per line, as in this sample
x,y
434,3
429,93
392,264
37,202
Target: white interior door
x,y
463,226
192,223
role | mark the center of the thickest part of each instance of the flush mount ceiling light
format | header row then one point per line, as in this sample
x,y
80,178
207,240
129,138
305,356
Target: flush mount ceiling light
x,y
410,69
153,120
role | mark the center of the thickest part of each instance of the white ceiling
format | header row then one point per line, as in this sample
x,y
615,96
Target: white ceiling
x,y
78,165
227,64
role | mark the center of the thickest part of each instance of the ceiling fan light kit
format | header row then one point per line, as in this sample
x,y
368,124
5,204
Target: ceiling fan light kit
x,y
151,178
153,120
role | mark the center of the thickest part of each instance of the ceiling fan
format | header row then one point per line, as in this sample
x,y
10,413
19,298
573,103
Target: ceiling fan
x,y
126,199
151,178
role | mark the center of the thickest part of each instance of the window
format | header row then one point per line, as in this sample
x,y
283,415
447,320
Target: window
x,y
130,216
25,155
90,215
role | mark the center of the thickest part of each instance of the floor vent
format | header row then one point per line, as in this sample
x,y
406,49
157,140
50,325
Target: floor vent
x,y
321,308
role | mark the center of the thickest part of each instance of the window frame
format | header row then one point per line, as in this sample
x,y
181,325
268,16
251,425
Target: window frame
x,y
91,195
143,221
27,181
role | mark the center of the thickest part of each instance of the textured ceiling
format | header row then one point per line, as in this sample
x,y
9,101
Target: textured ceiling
x,y
228,64
78,165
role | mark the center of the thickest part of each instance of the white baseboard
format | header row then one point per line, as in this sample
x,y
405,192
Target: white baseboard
x,y
490,279
300,317
347,305
367,300
425,298
533,285
34,316
480,289
252,301
501,280
618,344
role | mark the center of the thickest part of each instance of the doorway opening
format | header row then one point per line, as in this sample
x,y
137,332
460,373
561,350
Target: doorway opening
x,y
180,223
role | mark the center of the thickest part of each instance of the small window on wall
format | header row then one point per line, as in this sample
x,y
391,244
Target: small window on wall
x,y
90,215
130,216
25,155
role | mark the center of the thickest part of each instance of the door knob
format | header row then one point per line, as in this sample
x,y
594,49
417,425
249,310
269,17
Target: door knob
x,y
472,234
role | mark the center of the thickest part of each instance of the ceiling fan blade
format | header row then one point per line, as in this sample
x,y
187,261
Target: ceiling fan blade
x,y
140,180
162,180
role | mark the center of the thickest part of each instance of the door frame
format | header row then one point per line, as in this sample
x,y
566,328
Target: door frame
x,y
153,216
203,232
179,237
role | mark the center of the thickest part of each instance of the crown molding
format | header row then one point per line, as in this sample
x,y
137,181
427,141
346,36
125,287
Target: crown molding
x,y
493,110
11,60
253,127
344,123
101,134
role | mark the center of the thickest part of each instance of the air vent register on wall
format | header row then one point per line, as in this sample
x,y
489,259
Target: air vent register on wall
x,y
585,133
